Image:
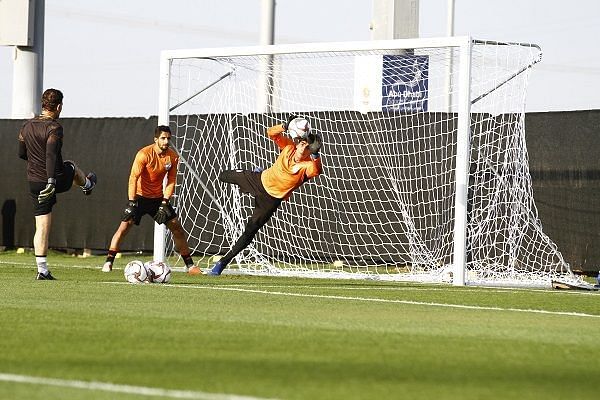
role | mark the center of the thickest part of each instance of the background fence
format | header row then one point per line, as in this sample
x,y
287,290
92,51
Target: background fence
x,y
563,154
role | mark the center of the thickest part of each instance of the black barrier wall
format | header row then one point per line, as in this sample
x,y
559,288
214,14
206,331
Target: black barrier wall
x,y
563,163
565,167
106,146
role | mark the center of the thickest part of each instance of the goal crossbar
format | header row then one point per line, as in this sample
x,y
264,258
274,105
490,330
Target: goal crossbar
x,y
395,44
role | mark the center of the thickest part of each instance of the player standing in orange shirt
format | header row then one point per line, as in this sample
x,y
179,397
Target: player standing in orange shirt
x,y
298,162
147,196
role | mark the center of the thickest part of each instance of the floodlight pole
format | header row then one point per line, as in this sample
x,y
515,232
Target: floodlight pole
x,y
395,19
28,69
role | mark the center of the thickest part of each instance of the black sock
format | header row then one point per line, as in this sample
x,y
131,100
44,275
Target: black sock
x,y
187,259
111,256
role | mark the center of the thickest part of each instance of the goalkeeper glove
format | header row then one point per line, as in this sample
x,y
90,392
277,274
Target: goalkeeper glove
x,y
286,124
131,211
164,213
48,193
314,145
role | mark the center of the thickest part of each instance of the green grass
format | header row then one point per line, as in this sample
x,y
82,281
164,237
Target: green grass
x,y
290,338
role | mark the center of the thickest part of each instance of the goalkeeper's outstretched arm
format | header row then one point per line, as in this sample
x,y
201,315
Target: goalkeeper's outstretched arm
x,y
276,134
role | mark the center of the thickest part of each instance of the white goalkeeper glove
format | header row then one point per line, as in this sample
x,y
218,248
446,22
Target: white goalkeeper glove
x,y
45,195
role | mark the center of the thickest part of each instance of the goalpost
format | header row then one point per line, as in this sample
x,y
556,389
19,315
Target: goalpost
x,y
426,174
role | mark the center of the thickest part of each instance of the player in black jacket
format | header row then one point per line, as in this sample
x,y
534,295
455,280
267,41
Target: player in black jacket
x,y
40,143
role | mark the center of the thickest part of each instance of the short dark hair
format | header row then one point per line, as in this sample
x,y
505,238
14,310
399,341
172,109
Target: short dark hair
x,y
51,99
161,128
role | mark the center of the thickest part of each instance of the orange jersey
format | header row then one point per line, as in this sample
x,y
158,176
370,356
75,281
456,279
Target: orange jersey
x,y
285,175
148,173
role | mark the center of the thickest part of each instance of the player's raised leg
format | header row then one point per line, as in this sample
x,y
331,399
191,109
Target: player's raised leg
x,y
87,183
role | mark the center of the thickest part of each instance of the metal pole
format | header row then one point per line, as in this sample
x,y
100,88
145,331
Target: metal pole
x,y
267,38
267,31
160,230
28,70
450,19
463,145
449,33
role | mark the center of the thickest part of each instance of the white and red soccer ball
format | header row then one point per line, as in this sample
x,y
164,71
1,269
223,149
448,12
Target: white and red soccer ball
x,y
151,272
299,128
136,272
158,272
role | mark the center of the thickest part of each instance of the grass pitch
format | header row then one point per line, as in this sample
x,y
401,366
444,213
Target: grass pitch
x,y
89,335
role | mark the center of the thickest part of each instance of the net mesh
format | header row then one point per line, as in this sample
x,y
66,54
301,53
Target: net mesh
x,y
384,206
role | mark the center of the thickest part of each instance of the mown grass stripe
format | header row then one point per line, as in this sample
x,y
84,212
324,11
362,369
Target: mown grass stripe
x,y
372,299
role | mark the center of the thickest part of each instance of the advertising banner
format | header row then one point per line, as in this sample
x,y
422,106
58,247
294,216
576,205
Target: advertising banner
x,y
404,85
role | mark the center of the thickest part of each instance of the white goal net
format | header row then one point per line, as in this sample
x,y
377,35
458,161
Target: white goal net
x,y
425,175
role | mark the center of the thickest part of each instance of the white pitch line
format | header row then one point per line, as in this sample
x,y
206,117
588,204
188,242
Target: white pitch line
x,y
489,289
439,288
111,387
376,300
31,265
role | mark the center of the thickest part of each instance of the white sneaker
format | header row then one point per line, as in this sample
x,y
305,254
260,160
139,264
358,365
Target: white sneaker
x,y
107,267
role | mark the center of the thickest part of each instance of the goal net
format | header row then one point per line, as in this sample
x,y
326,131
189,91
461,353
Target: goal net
x,y
425,173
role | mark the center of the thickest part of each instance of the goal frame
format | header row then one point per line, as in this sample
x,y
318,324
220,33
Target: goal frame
x,y
463,110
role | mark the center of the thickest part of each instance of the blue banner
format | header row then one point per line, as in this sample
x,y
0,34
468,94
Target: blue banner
x,y
404,85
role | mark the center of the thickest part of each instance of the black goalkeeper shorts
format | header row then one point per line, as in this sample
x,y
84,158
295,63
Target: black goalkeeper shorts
x,y
64,182
150,207
250,182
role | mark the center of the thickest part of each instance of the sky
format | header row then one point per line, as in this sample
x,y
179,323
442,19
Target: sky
x,y
104,54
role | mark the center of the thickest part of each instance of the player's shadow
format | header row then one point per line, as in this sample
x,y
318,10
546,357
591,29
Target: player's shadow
x,y
9,211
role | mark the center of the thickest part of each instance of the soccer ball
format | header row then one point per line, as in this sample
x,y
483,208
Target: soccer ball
x,y
135,272
158,272
299,128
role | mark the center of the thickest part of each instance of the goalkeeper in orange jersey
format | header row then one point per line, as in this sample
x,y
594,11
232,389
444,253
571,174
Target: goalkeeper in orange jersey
x,y
298,162
147,196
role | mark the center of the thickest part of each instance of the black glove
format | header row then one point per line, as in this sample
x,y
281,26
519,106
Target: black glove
x,y
45,195
164,213
286,124
314,144
131,211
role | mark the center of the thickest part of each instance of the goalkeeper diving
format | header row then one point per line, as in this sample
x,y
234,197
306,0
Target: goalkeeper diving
x,y
298,161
